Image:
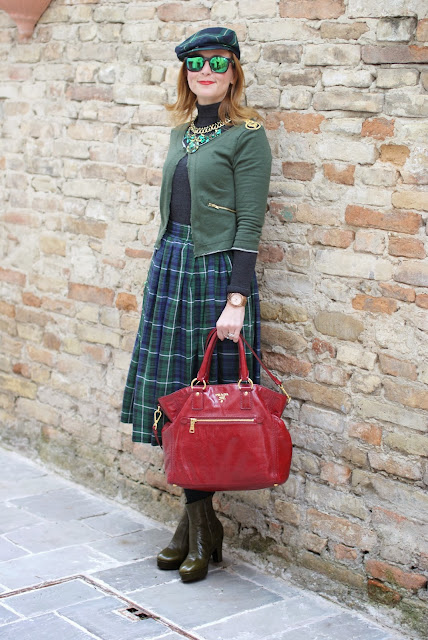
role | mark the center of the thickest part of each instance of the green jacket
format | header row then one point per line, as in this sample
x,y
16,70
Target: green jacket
x,y
229,182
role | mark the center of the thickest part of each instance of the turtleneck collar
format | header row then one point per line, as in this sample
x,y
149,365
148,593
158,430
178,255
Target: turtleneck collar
x,y
207,114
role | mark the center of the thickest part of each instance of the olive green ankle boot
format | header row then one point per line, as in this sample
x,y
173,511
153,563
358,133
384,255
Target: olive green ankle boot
x,y
205,538
173,555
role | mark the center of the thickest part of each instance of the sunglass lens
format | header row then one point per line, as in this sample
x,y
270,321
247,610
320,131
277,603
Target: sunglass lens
x,y
195,64
219,64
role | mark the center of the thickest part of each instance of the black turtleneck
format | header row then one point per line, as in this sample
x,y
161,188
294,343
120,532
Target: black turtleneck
x,y
179,208
243,261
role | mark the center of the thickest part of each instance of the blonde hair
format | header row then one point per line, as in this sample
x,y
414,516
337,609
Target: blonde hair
x,y
182,109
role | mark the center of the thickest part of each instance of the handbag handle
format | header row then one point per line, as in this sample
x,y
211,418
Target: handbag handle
x,y
241,338
204,371
270,374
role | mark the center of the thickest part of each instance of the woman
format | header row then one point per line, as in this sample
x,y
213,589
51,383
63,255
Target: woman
x,y
213,200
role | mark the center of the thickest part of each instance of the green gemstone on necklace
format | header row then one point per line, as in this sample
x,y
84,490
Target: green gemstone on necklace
x,y
192,146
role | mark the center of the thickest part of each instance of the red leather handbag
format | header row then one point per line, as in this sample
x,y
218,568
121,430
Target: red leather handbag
x,y
225,437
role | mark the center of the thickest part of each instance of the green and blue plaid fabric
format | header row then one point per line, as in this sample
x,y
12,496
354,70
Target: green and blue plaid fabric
x,y
183,298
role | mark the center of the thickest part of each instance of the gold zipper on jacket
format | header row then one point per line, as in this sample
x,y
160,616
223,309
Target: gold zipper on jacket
x,y
217,206
193,421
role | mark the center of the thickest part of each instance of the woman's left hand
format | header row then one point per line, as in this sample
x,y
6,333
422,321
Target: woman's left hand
x,y
230,322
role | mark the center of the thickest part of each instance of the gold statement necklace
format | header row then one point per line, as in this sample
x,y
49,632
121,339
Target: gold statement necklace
x,y
197,136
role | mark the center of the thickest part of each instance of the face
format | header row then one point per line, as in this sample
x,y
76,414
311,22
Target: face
x,y
208,86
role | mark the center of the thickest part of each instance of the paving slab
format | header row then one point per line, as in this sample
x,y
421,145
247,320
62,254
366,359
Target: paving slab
x,y
18,468
48,599
270,582
134,546
9,551
7,616
118,523
12,517
46,627
338,627
51,565
101,618
193,604
135,575
263,622
21,477
25,487
63,504
45,536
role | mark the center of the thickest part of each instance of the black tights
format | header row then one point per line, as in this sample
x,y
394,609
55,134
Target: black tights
x,y
192,495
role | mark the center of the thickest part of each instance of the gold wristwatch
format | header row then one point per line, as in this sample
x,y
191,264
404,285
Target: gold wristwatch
x,y
236,299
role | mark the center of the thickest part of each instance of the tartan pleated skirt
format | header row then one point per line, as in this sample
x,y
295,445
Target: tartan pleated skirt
x,y
183,298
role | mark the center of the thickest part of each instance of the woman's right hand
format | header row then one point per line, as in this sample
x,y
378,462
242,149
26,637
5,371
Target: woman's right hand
x,y
230,322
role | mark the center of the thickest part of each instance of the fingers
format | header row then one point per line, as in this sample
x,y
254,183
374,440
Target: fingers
x,y
221,332
220,335
228,334
224,333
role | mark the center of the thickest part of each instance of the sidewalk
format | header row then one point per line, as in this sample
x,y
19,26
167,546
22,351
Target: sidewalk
x,y
75,566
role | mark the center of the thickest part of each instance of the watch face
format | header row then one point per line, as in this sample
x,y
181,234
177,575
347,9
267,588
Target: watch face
x,y
236,299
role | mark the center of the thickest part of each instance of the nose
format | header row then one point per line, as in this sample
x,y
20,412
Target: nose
x,y
206,68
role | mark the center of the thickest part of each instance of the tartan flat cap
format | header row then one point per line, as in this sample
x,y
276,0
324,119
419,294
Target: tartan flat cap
x,y
210,38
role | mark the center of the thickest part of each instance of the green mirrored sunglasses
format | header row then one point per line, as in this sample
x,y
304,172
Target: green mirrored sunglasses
x,y
218,64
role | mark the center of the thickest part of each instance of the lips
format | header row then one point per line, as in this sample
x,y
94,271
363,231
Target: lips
x,y
207,82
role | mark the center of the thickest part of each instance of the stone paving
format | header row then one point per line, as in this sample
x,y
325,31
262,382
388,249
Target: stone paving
x,y
74,565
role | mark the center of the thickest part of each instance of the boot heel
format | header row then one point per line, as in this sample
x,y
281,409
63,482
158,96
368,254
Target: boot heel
x,y
218,554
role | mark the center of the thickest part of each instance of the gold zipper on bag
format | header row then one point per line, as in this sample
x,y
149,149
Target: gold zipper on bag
x,y
217,206
193,421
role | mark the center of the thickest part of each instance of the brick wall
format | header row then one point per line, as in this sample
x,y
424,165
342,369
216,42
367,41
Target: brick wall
x,y
343,269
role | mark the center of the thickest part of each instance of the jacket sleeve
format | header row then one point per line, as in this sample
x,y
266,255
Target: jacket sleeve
x,y
252,166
